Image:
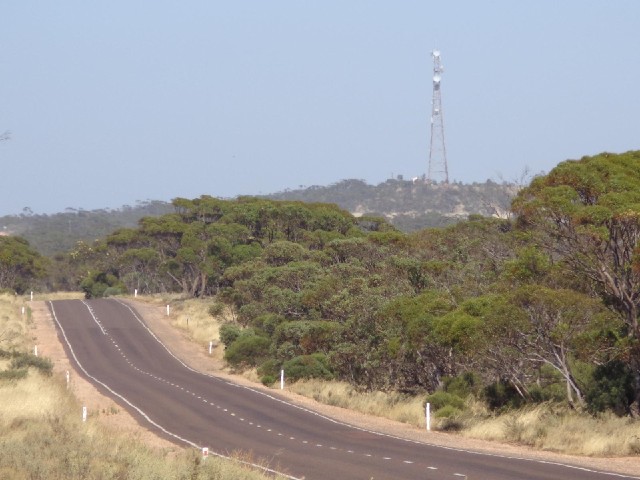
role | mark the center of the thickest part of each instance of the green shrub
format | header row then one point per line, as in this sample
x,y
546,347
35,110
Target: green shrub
x,y
448,411
101,284
268,380
440,399
308,366
501,395
20,363
268,322
269,368
229,333
450,424
555,392
463,385
215,310
25,360
247,350
612,388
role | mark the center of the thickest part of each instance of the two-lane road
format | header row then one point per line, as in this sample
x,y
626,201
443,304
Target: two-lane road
x,y
111,345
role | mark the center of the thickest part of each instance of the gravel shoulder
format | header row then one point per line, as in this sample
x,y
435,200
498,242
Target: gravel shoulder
x,y
197,357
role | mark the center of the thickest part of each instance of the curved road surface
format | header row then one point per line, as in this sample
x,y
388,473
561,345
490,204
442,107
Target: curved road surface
x,y
112,346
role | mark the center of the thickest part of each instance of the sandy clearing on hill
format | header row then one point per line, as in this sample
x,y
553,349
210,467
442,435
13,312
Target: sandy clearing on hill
x,y
197,357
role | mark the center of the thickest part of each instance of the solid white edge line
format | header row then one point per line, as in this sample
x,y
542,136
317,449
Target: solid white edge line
x,y
146,417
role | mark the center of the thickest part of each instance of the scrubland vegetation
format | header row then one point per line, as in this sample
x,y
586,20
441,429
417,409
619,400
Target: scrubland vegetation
x,y
42,435
489,320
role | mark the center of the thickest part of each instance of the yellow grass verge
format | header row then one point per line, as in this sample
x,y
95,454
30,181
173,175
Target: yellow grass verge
x,y
559,429
395,406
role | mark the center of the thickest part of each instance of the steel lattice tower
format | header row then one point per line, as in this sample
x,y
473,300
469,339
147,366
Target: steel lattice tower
x,y
437,152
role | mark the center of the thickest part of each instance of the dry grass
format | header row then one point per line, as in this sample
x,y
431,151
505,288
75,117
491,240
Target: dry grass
x,y
394,406
31,397
15,319
37,296
559,429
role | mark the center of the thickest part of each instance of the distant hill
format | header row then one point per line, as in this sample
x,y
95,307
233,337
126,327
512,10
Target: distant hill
x,y
410,205
59,232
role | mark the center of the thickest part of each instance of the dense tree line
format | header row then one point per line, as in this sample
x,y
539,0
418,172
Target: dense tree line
x,y
542,306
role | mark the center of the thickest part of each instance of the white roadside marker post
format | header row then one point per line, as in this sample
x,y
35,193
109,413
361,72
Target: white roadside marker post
x,y
35,350
168,310
205,453
67,379
135,293
282,379
23,310
210,347
428,416
84,413
32,296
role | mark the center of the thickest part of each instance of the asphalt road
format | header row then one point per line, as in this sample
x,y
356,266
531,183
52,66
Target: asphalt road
x,y
111,346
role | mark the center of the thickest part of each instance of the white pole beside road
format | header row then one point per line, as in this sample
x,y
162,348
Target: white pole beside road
x,y
428,415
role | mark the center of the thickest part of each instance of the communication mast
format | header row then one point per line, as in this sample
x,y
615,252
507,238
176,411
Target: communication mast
x,y
437,152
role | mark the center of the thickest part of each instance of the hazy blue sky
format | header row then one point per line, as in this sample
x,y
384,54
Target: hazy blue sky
x,y
114,102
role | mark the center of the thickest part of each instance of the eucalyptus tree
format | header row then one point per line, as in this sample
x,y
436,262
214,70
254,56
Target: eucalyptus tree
x,y
588,215
20,265
535,325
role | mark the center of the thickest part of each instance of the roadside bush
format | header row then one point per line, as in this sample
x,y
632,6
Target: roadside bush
x,y
611,389
469,383
216,309
24,360
308,366
440,400
500,395
448,411
247,350
271,367
229,333
102,284
268,322
555,392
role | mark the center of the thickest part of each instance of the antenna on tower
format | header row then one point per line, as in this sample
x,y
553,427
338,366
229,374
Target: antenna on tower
x,y
437,152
